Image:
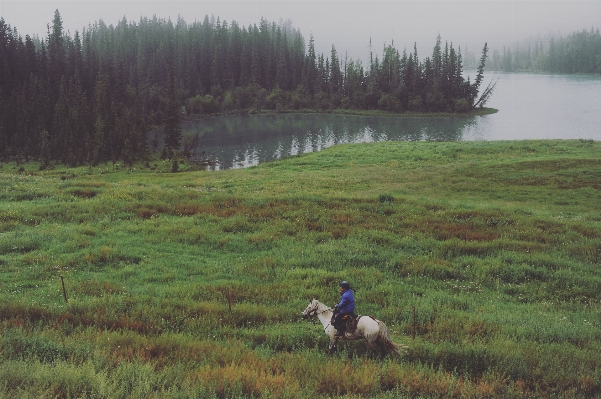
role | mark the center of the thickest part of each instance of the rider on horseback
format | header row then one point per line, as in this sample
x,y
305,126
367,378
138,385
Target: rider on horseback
x,y
346,306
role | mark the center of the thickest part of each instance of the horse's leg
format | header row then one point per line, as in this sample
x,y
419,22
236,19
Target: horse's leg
x,y
372,345
332,346
375,347
382,349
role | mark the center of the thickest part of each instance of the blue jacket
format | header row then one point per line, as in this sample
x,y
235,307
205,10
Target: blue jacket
x,y
347,302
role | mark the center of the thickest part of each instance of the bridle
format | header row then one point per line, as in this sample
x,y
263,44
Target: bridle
x,y
316,311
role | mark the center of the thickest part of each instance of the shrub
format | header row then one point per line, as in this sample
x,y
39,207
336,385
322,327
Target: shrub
x,y
389,102
386,198
415,103
461,105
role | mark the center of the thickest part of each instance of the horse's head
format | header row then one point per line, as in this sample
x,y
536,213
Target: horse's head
x,y
311,310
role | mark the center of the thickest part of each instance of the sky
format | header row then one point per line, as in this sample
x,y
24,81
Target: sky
x,y
349,25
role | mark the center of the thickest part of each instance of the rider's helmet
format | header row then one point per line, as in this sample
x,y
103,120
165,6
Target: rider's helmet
x,y
345,285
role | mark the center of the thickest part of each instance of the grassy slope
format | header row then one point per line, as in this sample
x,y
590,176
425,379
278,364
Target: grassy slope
x,y
191,283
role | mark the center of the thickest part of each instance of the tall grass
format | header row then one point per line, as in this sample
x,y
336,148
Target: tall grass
x,y
481,257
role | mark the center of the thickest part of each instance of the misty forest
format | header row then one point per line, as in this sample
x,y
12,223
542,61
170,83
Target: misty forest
x,y
579,52
91,98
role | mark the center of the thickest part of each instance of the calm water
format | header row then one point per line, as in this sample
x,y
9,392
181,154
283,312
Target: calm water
x,y
530,107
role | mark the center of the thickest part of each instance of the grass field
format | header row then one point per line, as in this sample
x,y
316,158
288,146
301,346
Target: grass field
x,y
191,284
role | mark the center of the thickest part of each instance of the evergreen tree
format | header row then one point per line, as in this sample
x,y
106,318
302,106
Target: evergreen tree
x,y
218,73
475,88
99,150
44,150
57,61
256,68
297,59
480,73
282,77
234,52
335,78
79,120
245,58
437,59
173,134
266,55
60,126
310,68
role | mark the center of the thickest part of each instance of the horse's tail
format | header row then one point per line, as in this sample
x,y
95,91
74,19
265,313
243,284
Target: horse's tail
x,y
387,344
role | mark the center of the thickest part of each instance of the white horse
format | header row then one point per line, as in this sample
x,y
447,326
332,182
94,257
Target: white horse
x,y
372,330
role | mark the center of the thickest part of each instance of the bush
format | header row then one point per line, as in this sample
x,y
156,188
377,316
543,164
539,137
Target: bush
x,y
278,99
390,103
345,103
300,98
415,103
386,198
321,101
228,101
201,105
435,101
462,105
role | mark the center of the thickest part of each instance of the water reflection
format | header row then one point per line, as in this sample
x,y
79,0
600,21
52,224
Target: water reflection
x,y
531,106
240,141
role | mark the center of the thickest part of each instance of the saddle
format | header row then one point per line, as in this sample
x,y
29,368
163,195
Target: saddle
x,y
348,324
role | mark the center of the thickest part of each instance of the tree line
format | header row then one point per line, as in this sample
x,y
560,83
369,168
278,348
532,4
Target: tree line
x,y
91,97
579,52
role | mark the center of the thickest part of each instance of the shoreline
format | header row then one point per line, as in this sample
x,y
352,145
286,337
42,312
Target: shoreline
x,y
477,112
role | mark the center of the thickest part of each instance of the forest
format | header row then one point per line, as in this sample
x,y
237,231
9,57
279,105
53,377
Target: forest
x,y
92,97
579,52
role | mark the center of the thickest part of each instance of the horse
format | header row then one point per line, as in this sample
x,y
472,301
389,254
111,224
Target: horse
x,y
373,331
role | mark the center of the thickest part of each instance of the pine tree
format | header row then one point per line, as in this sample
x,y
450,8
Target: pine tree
x,y
437,58
282,78
57,61
245,58
173,133
256,69
60,125
297,59
475,87
234,52
480,72
79,119
99,148
310,68
218,74
44,150
335,75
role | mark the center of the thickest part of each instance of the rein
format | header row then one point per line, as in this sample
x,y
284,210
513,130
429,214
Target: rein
x,y
315,312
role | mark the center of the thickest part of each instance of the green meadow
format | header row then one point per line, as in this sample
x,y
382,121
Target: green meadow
x,y
191,284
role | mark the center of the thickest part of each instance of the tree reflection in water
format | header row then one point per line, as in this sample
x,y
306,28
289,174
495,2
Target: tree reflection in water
x,y
246,140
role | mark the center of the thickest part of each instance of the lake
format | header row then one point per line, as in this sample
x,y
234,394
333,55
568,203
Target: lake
x,y
531,106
